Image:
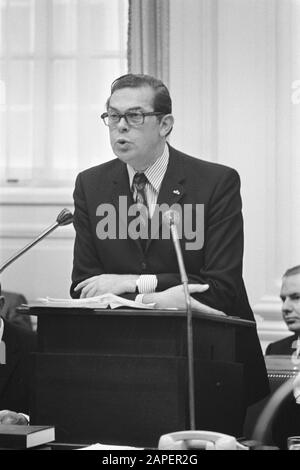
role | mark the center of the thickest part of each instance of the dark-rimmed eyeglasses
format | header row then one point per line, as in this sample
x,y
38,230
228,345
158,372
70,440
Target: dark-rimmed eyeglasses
x,y
133,118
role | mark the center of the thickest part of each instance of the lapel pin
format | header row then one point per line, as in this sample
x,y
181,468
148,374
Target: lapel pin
x,y
176,191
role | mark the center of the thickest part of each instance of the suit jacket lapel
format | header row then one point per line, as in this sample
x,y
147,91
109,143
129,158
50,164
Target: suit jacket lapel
x,y
121,188
172,188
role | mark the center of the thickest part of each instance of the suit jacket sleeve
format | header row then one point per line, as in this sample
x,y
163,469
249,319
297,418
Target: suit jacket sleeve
x,y
86,260
223,248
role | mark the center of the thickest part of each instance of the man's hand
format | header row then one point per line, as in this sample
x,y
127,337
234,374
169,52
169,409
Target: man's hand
x,y
174,298
107,283
11,417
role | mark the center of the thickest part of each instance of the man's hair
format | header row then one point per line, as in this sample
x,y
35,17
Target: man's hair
x,y
292,271
162,102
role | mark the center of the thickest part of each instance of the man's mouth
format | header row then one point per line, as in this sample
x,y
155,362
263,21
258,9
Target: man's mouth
x,y
291,320
122,141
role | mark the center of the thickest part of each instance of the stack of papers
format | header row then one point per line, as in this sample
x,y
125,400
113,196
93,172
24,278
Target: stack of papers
x,y
100,301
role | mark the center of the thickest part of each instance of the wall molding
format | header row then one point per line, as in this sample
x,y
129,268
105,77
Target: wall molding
x,y
36,196
269,306
25,212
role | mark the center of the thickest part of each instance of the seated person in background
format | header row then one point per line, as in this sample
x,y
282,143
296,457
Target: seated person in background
x,y
15,345
287,421
9,311
290,296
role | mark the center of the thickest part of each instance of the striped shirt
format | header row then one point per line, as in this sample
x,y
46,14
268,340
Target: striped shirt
x,y
155,173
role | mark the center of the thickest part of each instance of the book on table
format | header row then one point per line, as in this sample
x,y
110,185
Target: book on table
x,y
23,437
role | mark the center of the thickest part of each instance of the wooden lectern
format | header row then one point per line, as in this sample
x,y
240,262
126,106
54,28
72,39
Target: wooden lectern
x,y
120,376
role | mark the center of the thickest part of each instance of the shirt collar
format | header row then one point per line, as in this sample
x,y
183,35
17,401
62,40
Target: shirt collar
x,y
155,173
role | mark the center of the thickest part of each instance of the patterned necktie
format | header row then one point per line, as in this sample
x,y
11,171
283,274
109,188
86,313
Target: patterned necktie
x,y
139,183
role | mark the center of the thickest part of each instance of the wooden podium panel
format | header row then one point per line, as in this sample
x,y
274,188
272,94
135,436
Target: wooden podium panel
x,y
110,399
120,376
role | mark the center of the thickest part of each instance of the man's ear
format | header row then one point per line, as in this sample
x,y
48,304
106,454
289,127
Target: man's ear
x,y
166,124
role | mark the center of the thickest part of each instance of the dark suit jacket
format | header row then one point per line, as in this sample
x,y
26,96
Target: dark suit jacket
x,y
15,374
287,419
187,180
283,346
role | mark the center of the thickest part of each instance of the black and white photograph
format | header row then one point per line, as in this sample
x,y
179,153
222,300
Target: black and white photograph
x,y
149,227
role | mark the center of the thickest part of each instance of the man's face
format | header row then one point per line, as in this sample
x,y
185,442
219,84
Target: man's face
x,y
138,145
290,296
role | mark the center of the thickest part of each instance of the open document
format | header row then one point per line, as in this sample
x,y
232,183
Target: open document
x,y
100,301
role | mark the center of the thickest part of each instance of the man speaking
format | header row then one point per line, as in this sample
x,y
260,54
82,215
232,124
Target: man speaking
x,y
121,244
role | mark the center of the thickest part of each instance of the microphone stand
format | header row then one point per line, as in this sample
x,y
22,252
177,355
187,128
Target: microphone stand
x,y
65,217
190,346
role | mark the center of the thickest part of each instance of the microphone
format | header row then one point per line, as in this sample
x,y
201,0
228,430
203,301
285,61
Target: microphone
x,y
172,218
65,217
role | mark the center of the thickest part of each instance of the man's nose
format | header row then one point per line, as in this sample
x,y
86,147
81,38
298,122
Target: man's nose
x,y
287,305
123,125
